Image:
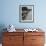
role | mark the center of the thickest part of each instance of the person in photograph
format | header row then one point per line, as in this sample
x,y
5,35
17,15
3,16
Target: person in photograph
x,y
25,12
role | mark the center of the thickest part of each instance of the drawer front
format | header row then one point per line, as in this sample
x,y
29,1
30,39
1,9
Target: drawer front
x,y
12,39
34,33
12,44
37,44
13,33
33,39
37,39
27,41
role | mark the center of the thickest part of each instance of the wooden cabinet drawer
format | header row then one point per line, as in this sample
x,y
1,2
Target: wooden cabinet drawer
x,y
37,39
8,45
14,43
13,33
33,33
12,39
27,41
33,39
37,44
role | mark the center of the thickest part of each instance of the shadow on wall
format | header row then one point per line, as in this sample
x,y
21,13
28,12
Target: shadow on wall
x,y
2,26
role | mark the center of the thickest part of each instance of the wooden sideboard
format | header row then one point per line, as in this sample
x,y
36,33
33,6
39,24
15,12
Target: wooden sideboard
x,y
23,38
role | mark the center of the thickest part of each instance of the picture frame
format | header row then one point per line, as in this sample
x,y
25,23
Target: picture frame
x,y
26,13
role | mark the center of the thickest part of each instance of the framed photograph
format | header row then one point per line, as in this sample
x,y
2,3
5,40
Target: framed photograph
x,y
26,13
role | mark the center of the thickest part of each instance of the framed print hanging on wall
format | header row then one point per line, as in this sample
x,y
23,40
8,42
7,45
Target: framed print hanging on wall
x,y
26,13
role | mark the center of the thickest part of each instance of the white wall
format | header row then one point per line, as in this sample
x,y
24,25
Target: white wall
x,y
10,13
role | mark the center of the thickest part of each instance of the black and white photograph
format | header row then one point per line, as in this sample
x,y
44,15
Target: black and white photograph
x,y
26,13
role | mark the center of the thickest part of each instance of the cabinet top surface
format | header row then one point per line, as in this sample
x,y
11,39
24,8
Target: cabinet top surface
x,y
22,30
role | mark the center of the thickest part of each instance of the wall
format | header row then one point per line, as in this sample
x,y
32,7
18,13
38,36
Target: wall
x,y
9,13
